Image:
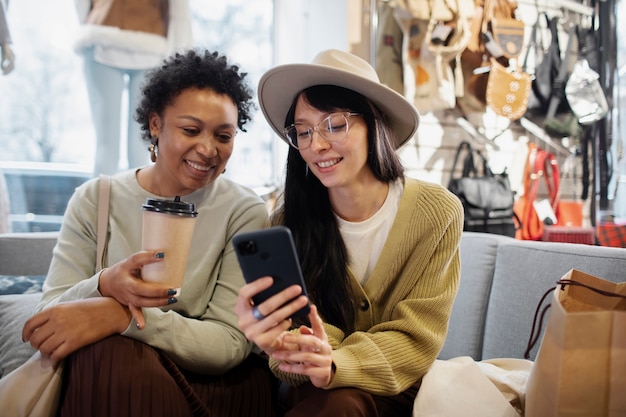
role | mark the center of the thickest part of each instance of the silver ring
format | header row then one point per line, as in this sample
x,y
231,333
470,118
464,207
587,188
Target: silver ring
x,y
257,314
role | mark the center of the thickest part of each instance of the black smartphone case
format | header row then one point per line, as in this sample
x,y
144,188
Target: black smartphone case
x,y
270,252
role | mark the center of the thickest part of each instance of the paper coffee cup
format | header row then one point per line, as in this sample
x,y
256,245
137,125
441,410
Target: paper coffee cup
x,y
167,227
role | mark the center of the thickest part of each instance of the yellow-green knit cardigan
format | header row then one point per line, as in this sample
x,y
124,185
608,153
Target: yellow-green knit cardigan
x,y
410,294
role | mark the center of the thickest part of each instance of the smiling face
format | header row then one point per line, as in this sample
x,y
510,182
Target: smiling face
x,y
195,140
337,164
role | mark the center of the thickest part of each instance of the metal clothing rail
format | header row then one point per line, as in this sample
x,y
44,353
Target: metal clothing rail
x,y
474,133
570,5
540,134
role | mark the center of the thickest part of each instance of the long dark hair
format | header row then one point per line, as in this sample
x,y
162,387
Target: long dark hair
x,y
306,208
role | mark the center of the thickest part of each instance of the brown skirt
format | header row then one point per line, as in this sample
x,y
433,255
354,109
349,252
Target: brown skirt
x,y
309,401
121,377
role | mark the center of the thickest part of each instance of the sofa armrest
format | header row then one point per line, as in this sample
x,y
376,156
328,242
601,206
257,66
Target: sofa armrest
x,y
26,253
466,326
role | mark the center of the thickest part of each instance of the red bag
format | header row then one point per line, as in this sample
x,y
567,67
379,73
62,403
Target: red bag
x,y
611,234
569,213
539,164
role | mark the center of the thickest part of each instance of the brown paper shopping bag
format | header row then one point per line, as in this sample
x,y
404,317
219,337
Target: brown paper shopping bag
x,y
580,369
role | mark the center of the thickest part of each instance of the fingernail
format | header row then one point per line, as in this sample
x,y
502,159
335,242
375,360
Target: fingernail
x,y
171,291
160,255
172,300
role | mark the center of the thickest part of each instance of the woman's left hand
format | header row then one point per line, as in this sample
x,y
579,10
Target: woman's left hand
x,y
313,359
68,326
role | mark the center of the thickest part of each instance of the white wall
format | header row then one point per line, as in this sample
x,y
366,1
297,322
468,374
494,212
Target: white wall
x,y
305,27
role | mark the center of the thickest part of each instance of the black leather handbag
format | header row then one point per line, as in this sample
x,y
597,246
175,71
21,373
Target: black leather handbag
x,y
548,83
487,198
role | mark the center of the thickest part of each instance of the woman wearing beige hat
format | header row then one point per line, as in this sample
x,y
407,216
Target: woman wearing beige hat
x,y
379,251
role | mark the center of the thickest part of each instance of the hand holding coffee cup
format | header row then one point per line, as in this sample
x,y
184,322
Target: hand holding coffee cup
x,y
167,227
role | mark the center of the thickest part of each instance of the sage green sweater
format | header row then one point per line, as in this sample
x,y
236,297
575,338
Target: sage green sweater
x,y
410,294
200,331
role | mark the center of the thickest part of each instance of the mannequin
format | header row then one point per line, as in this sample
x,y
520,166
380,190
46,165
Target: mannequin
x,y
119,40
6,54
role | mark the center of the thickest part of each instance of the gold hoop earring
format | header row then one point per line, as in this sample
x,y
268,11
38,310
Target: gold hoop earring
x,y
153,149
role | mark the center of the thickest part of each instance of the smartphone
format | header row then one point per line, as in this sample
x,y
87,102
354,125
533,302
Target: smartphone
x,y
270,252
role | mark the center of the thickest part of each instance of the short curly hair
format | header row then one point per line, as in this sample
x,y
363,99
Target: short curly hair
x,y
193,69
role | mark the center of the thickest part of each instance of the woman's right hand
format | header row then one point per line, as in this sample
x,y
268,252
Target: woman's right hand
x,y
268,332
123,282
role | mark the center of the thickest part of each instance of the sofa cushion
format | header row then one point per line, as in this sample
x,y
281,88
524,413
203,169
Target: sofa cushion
x,y
14,311
524,272
26,253
465,332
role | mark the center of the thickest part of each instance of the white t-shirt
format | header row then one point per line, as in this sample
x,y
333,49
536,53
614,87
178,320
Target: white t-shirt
x,y
365,240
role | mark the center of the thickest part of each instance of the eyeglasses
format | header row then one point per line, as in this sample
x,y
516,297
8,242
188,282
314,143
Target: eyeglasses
x,y
334,128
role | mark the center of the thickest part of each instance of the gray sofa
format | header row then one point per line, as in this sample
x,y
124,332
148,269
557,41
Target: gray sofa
x,y
22,256
502,280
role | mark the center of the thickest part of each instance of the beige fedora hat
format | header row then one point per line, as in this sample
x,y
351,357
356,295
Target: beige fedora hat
x,y
280,85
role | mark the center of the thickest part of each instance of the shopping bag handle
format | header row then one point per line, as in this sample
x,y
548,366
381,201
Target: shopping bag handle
x,y
564,282
541,312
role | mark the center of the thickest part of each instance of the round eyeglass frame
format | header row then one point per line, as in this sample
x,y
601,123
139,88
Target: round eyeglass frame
x,y
346,114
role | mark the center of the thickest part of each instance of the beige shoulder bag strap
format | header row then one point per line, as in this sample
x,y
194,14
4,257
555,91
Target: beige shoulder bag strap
x,y
103,217
42,375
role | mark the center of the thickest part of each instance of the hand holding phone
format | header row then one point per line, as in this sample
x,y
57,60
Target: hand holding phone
x,y
270,252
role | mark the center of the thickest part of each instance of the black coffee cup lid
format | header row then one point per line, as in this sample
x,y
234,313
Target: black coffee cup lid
x,y
175,207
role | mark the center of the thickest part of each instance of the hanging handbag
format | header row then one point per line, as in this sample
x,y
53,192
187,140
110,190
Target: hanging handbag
x,y
551,73
540,164
579,368
547,68
508,91
442,85
496,33
431,45
585,95
34,388
487,198
508,33
434,80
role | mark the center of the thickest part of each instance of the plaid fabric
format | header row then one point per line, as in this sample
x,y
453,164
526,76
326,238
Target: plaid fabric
x,y
611,234
583,235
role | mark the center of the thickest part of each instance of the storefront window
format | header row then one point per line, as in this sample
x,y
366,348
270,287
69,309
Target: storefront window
x,y
44,108
46,132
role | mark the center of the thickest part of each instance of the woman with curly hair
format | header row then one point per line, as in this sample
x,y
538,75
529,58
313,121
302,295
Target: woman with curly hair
x,y
135,348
